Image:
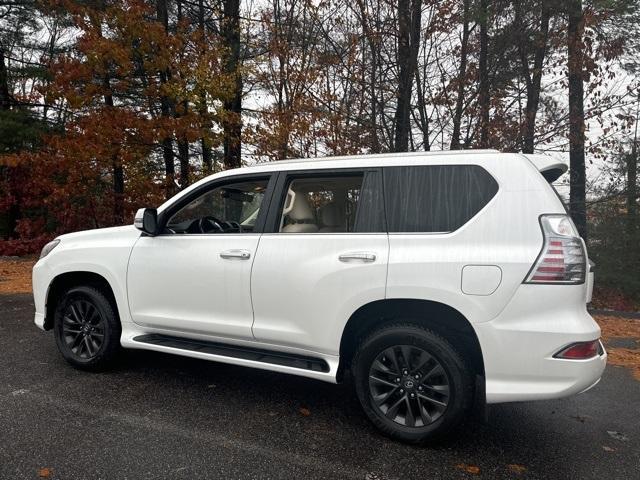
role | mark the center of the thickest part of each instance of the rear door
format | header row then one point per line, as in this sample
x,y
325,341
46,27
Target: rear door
x,y
323,255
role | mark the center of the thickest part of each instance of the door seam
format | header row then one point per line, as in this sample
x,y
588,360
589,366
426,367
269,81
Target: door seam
x,y
253,261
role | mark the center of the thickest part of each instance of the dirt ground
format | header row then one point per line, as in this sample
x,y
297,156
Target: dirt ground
x,y
621,336
616,330
15,275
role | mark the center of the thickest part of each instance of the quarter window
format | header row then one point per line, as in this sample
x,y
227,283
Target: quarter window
x,y
435,198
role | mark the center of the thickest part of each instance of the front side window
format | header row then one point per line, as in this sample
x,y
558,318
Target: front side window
x,y
435,198
321,204
231,208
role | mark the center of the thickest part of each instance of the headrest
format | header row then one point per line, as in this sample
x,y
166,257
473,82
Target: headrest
x,y
300,210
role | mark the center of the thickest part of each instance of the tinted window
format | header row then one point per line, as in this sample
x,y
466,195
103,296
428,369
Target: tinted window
x,y
435,198
231,208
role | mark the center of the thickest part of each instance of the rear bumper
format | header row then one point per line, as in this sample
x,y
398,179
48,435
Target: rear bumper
x,y
518,346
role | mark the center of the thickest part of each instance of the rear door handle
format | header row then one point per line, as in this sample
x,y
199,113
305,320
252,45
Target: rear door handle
x,y
241,254
357,256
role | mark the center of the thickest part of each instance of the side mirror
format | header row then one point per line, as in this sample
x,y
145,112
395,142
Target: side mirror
x,y
146,219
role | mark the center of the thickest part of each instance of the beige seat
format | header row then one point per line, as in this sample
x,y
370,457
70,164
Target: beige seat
x,y
332,218
300,215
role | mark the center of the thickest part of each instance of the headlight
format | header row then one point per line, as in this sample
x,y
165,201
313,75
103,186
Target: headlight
x,y
46,250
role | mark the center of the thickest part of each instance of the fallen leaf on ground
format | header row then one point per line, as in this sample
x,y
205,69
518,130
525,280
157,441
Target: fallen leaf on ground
x,y
625,357
579,418
618,436
608,449
45,472
468,468
515,468
618,327
305,411
615,327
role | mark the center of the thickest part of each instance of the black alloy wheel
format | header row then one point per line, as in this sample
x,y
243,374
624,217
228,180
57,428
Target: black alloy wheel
x,y
87,328
409,386
412,383
83,328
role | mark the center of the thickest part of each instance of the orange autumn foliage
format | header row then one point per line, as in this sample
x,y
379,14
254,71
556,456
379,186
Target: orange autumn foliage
x,y
110,90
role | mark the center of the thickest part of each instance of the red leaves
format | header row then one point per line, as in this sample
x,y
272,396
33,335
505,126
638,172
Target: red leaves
x,y
45,472
111,90
472,469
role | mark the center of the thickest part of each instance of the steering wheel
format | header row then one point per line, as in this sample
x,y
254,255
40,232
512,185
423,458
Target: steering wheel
x,y
210,224
235,225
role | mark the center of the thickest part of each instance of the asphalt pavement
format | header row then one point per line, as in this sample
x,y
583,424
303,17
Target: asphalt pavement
x,y
160,416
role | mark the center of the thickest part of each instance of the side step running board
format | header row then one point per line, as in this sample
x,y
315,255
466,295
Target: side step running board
x,y
246,353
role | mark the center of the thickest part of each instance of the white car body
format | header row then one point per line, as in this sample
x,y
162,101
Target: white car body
x,y
293,295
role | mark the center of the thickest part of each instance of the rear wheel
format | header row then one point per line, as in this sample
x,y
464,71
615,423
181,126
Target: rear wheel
x,y
412,383
87,329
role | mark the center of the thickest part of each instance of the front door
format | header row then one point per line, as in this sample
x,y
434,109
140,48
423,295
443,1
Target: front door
x,y
323,255
195,276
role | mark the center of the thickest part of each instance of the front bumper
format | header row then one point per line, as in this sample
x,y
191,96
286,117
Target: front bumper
x,y
518,346
41,277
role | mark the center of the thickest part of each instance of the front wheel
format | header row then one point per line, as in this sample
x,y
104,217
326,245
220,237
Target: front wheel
x,y
86,328
412,383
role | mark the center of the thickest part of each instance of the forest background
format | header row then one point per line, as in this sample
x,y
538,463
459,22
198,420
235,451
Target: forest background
x,y
107,106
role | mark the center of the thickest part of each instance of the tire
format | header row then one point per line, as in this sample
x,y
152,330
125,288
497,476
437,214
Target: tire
x,y
405,407
87,329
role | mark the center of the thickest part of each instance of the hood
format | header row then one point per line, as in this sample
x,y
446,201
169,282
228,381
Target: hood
x,y
101,234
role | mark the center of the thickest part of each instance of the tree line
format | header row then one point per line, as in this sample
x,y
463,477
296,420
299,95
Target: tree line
x,y
107,105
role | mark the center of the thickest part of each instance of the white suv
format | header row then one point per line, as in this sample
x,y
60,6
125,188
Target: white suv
x,y
439,280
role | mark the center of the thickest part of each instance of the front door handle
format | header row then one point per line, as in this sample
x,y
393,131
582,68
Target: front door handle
x,y
241,254
358,256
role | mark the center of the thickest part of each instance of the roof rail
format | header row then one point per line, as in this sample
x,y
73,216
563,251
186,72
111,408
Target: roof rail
x,y
387,155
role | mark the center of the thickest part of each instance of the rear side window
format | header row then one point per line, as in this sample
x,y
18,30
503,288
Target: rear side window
x,y
332,202
435,198
321,204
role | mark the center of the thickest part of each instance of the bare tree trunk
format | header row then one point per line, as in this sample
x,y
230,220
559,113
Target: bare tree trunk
x,y
533,79
185,168
207,157
116,164
409,22
373,48
632,182
166,109
118,171
483,70
5,98
577,191
233,106
632,187
183,143
462,71
13,213
422,110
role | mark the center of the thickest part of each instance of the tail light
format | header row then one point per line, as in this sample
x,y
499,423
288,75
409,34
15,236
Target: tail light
x,y
562,259
580,351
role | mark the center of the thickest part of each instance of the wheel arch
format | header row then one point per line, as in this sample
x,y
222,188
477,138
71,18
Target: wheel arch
x,y
67,280
439,317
